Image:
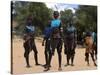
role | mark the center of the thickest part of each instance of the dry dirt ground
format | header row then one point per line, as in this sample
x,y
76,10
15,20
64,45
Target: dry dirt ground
x,y
19,65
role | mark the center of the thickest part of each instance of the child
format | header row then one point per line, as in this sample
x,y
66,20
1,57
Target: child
x,y
46,39
29,43
55,39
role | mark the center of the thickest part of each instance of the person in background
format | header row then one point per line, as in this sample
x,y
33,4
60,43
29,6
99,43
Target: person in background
x,y
46,43
89,42
29,43
70,42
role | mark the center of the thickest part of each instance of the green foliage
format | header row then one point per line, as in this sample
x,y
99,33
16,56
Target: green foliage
x,y
40,14
85,17
66,16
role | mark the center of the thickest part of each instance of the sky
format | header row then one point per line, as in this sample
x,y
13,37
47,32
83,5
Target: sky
x,y
62,6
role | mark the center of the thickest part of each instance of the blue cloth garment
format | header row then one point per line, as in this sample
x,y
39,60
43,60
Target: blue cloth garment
x,y
55,23
71,29
30,29
47,32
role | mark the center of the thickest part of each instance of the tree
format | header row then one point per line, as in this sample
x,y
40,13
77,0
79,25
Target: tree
x,y
66,16
40,14
87,19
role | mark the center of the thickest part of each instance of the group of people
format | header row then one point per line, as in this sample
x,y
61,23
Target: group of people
x,y
54,37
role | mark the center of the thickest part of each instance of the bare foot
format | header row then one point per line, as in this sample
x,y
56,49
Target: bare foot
x,y
37,64
88,64
72,64
59,69
28,66
47,69
66,64
95,64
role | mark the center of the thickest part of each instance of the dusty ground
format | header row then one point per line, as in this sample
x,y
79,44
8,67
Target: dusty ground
x,y
19,65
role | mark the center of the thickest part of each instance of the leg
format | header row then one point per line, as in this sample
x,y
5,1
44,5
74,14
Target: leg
x,y
92,56
73,52
53,45
47,50
60,59
72,60
96,53
59,50
87,58
26,54
72,57
70,51
46,59
95,49
51,50
35,54
67,56
66,51
49,62
36,59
